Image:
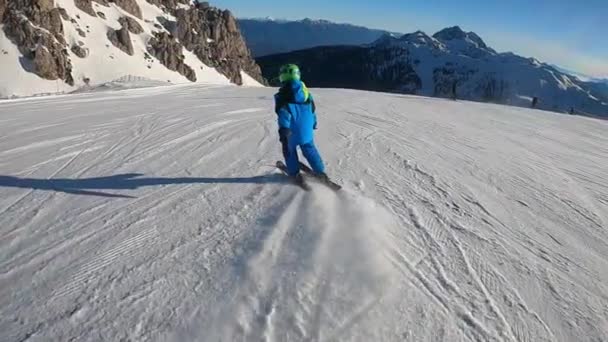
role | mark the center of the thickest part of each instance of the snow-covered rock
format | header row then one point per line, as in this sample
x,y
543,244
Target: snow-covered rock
x,y
456,34
55,46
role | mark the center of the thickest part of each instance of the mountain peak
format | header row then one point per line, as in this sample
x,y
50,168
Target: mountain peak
x,y
450,33
456,33
386,38
316,21
420,38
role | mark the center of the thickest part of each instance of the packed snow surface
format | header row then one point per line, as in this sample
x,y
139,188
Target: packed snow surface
x,y
156,215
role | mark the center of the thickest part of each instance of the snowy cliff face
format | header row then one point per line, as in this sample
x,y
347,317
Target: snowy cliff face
x,y
453,60
49,46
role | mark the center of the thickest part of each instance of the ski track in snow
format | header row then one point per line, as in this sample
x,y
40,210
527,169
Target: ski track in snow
x,y
157,215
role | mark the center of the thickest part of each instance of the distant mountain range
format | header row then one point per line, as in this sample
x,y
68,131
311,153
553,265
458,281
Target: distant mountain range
x,y
269,36
599,89
598,86
451,63
581,76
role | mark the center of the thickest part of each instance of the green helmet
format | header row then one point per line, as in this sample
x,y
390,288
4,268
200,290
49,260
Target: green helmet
x,y
289,72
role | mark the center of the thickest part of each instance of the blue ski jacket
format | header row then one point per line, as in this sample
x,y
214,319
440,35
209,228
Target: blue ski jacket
x,y
295,109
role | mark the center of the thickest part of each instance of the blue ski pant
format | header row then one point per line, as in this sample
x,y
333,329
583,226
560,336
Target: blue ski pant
x,y
310,152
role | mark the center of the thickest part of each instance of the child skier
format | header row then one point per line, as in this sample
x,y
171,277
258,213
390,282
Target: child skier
x,y
297,119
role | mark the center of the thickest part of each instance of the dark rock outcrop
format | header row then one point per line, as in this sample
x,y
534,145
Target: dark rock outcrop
x,y
214,37
35,27
131,24
130,6
63,13
44,63
169,52
80,51
168,5
85,6
2,9
121,39
41,13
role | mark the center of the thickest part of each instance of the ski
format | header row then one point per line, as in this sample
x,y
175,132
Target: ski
x,y
310,173
328,182
299,182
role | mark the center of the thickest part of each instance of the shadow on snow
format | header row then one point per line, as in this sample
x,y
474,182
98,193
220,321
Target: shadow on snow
x,y
129,181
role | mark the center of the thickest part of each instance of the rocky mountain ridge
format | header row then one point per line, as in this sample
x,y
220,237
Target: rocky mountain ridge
x,y
268,36
451,63
53,39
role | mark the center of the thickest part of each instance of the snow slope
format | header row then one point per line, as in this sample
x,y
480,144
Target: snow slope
x,y
155,215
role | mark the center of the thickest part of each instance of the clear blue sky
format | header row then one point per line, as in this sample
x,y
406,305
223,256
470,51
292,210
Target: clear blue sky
x,y
569,33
